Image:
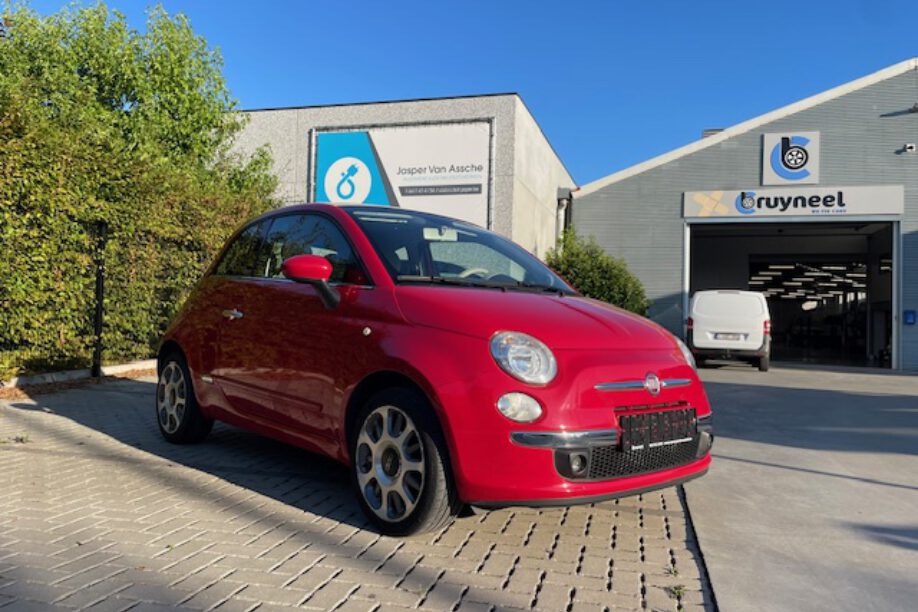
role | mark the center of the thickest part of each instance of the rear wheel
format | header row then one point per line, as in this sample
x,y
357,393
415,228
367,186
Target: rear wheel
x,y
177,411
764,362
401,465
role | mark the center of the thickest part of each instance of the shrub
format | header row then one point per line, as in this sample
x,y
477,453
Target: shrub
x,y
99,122
595,274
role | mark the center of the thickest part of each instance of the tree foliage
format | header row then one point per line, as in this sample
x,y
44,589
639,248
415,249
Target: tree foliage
x,y
100,122
594,273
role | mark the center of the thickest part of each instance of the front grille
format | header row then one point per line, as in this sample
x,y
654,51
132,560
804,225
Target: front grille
x,y
611,462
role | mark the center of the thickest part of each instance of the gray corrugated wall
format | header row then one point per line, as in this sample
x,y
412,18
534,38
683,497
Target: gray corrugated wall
x,y
640,218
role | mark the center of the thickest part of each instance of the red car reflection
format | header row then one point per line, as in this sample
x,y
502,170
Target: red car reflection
x,y
443,363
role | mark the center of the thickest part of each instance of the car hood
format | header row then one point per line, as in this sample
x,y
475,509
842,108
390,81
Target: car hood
x,y
561,322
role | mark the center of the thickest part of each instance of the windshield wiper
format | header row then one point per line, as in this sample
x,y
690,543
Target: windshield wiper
x,y
474,282
451,280
537,287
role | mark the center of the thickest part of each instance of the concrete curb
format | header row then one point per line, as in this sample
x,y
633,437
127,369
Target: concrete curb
x,y
69,375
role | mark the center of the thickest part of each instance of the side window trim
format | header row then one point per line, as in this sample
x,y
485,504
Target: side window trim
x,y
260,233
264,230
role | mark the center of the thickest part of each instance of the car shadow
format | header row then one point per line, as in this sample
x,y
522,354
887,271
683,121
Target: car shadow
x,y
124,411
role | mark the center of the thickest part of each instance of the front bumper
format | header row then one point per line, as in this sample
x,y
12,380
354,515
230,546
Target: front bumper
x,y
592,465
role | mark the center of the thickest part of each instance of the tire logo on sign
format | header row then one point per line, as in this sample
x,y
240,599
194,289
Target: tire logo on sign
x,y
789,158
348,180
745,202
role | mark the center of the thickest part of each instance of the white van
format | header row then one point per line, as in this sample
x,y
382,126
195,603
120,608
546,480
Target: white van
x,y
730,324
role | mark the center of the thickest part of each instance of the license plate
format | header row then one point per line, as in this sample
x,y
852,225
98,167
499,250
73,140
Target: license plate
x,y
653,429
728,336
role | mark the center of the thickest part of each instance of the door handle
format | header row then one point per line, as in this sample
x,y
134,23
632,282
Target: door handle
x,y
232,314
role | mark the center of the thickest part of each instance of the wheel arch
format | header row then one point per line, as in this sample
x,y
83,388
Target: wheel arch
x,y
378,381
166,348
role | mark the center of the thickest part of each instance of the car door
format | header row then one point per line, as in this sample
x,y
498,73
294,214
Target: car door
x,y
314,347
239,369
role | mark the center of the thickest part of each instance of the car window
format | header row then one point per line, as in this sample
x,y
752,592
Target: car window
x,y
309,234
242,254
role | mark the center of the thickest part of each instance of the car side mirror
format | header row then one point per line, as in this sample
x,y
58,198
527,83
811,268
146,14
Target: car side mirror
x,y
313,270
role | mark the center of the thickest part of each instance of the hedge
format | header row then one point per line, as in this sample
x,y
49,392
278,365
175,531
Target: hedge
x,y
99,122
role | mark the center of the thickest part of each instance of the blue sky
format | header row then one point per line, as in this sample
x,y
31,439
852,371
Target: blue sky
x,y
611,83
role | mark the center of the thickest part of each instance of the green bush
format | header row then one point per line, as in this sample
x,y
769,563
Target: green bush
x,y
99,122
595,274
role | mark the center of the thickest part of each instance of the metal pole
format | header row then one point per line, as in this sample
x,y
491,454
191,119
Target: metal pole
x,y
98,319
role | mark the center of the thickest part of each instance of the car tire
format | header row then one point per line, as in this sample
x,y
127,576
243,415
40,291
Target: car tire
x,y
177,412
400,465
764,363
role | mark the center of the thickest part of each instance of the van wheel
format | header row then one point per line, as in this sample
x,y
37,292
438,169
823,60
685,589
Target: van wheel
x,y
401,465
177,412
763,363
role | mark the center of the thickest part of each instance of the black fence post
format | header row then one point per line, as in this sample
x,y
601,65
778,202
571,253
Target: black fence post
x,y
101,235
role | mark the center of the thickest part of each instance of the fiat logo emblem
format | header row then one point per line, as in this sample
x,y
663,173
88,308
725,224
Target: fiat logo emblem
x,y
652,384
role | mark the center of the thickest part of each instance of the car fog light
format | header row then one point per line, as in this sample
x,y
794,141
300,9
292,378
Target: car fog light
x,y
578,463
519,407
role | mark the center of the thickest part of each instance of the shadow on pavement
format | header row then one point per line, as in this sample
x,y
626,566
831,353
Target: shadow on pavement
x,y
903,536
295,477
819,419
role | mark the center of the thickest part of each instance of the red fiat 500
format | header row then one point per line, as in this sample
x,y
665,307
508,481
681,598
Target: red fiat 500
x,y
443,363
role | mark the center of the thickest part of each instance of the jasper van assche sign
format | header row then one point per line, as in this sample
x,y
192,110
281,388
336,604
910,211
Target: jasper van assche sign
x,y
801,202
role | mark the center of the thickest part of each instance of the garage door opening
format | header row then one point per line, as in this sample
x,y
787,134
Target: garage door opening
x,y
828,285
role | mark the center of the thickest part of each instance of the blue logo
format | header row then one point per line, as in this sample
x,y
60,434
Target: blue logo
x,y
745,202
789,158
345,187
348,170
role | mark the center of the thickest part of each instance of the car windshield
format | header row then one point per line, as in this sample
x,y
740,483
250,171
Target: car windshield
x,y
422,248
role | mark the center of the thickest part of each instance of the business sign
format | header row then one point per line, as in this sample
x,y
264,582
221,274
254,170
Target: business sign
x,y
442,168
810,202
791,158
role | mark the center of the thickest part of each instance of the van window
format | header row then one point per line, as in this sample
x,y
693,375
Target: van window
x,y
728,304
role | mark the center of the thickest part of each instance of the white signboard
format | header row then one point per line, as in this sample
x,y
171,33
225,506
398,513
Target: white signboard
x,y
442,168
811,202
790,158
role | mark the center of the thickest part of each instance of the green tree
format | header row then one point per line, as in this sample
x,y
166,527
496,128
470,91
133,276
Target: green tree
x,y
595,274
99,122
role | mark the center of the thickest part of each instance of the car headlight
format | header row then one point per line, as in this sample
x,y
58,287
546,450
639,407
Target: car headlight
x,y
523,357
689,358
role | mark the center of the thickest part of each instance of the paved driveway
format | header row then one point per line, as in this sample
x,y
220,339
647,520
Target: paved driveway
x,y
96,511
812,499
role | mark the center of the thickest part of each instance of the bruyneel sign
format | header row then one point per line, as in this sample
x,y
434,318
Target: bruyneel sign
x,y
440,168
810,202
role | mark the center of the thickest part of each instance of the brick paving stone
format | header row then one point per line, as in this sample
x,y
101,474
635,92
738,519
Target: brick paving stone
x,y
331,595
98,509
391,596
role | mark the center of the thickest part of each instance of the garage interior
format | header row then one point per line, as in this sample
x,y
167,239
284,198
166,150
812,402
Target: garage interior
x,y
828,285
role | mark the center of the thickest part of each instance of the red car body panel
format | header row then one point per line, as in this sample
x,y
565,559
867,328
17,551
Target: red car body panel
x,y
288,367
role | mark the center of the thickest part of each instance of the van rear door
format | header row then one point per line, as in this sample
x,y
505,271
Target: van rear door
x,y
729,320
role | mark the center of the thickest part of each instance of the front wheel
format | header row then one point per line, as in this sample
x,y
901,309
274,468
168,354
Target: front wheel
x,y
401,466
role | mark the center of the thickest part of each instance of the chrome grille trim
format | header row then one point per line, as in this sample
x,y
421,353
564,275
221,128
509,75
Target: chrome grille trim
x,y
637,385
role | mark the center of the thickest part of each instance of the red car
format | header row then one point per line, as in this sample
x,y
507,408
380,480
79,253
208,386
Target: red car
x,y
443,363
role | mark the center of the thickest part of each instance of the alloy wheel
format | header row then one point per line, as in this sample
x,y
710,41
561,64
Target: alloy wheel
x,y
171,397
389,462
